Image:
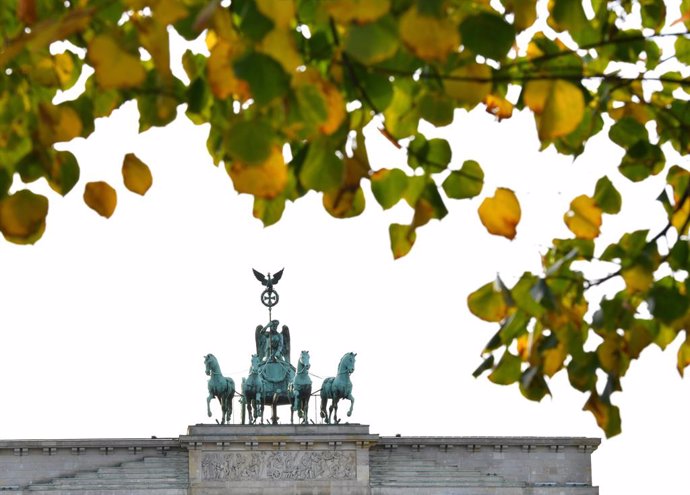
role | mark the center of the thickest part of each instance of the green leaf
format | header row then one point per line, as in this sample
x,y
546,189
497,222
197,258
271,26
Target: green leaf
x,y
642,160
679,256
64,172
488,303
252,22
250,142
607,197
266,77
515,326
507,370
533,385
312,104
402,239
487,364
582,371
372,42
322,169
666,302
388,186
627,131
378,88
268,211
475,29
682,47
607,415
466,182
436,109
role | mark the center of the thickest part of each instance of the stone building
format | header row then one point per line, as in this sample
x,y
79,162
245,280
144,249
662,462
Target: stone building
x,y
344,459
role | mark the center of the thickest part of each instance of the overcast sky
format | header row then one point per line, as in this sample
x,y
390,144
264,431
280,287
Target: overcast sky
x,y
106,322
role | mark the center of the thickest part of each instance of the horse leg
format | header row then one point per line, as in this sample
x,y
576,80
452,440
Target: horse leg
x,y
208,404
352,404
324,414
334,410
274,404
229,408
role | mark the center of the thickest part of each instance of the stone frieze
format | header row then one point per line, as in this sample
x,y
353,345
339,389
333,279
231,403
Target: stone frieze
x,y
279,465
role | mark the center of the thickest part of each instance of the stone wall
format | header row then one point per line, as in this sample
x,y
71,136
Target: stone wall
x,y
298,459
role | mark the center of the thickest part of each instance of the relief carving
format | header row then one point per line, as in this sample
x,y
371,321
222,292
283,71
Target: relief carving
x,y
282,465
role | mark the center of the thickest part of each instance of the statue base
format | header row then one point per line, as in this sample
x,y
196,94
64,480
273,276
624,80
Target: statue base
x,y
278,459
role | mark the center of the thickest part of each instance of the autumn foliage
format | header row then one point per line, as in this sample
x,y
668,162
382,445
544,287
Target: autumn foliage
x,y
287,88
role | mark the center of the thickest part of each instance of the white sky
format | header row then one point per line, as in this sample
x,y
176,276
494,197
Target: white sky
x,y
107,321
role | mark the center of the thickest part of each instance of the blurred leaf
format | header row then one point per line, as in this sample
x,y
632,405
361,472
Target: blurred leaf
x,y
507,370
469,84
373,42
388,186
584,217
265,180
322,169
402,239
428,37
23,217
136,174
607,197
266,78
114,67
606,414
558,106
101,198
474,31
487,364
251,142
500,214
466,182
488,303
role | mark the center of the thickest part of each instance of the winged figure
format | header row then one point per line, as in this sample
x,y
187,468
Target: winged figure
x,y
267,280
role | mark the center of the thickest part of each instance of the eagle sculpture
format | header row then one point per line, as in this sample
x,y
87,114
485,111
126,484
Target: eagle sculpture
x,y
267,280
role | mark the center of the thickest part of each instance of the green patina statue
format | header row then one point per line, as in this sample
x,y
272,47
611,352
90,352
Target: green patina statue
x,y
220,387
272,379
300,388
338,387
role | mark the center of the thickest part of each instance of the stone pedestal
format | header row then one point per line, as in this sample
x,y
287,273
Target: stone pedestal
x,y
278,459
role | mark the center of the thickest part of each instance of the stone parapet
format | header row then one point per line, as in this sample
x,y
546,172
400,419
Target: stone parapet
x,y
278,459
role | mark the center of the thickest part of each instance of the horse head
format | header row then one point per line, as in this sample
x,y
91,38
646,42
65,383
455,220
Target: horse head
x,y
211,363
254,368
347,363
303,363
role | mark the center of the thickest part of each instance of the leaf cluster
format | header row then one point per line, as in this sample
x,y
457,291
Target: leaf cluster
x,y
288,87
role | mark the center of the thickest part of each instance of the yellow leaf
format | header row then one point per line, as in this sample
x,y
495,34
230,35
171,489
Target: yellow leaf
x,y
58,123
281,12
153,36
430,38
265,180
525,13
471,85
637,278
101,198
498,106
362,11
501,213
558,105
169,11
64,68
280,45
554,358
679,218
221,76
684,354
23,217
584,217
114,68
335,103
136,174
